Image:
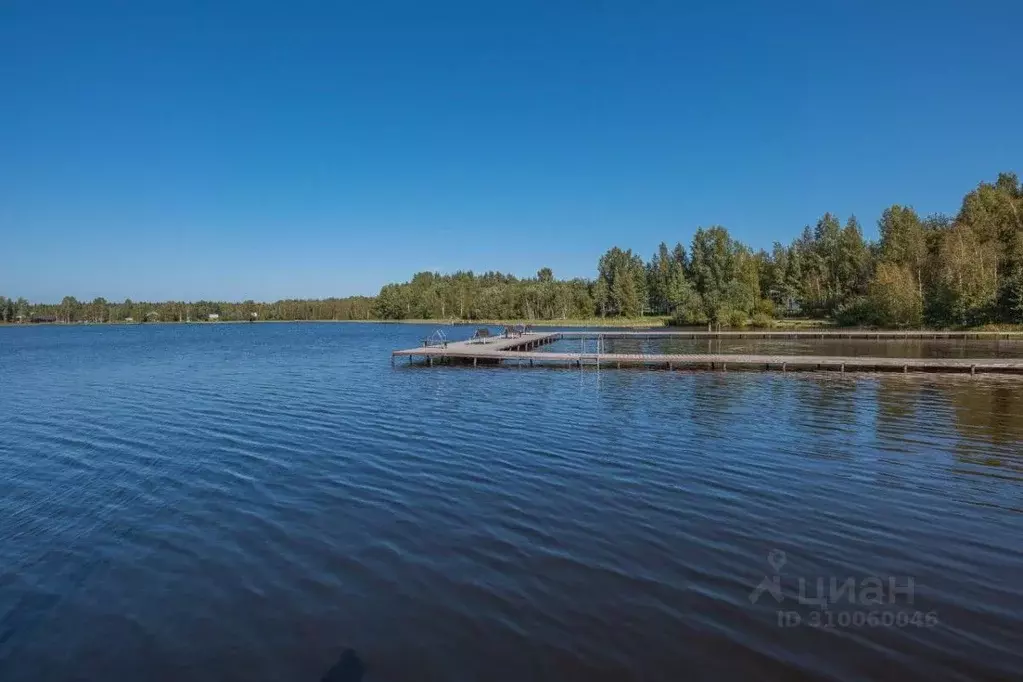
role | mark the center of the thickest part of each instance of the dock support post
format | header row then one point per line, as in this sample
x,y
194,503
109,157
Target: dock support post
x,y
410,359
905,369
724,366
784,366
843,368
474,361
973,370
530,362
670,366
430,358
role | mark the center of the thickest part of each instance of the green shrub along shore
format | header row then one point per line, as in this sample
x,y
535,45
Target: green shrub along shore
x,y
962,271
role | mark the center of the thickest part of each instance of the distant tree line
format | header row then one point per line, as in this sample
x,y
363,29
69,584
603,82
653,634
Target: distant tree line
x,y
492,295
965,270
71,310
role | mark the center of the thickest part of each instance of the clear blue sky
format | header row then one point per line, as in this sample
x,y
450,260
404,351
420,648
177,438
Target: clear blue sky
x,y
247,149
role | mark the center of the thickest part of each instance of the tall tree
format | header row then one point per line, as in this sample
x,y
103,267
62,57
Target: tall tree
x,y
625,294
827,262
712,266
903,242
69,309
966,277
98,309
616,295
682,300
658,276
893,296
853,262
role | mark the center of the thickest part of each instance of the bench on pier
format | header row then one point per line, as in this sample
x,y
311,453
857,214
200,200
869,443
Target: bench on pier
x,y
480,335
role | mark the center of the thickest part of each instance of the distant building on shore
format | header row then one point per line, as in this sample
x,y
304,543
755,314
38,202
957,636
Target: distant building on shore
x,y
214,317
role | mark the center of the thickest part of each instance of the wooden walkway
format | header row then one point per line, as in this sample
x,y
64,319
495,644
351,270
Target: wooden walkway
x,y
890,335
491,349
522,351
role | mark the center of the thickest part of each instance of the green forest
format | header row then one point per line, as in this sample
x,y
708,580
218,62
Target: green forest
x,y
944,271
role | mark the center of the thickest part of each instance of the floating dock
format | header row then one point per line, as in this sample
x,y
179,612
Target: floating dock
x,y
522,351
837,334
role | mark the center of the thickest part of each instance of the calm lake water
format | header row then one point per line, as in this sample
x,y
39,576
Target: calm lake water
x,y
241,502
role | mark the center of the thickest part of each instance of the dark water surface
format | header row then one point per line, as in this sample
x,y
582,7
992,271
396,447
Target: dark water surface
x,y
240,502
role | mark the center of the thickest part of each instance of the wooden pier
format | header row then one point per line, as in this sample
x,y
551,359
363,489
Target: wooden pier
x,y
521,351
491,350
835,334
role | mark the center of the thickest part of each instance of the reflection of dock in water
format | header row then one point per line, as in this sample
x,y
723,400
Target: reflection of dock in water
x,y
522,350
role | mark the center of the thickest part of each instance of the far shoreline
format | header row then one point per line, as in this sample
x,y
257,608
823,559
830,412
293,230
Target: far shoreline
x,y
604,323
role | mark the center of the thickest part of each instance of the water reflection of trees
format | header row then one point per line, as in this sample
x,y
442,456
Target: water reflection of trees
x,y
909,348
979,420
991,409
991,412
982,418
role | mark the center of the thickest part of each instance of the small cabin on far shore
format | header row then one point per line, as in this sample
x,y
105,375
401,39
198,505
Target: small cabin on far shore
x,y
213,317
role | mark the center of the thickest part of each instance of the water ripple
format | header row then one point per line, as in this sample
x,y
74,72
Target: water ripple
x,y
241,501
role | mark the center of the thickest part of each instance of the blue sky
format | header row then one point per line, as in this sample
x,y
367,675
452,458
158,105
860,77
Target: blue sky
x,y
262,150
